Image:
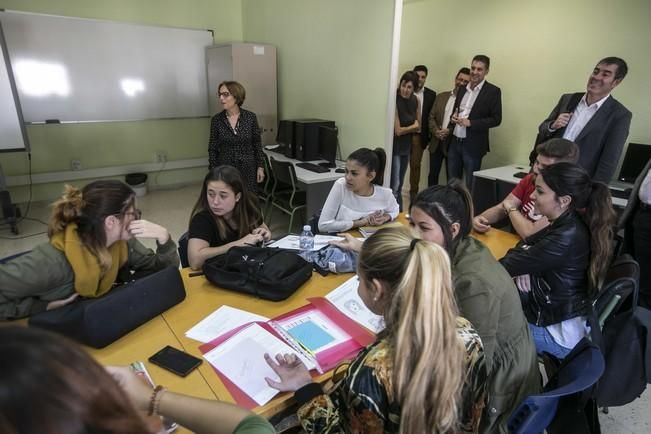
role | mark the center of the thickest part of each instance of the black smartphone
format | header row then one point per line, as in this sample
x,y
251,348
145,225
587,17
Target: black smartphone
x,y
176,361
520,174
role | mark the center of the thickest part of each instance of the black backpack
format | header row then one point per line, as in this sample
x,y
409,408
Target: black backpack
x,y
97,322
272,274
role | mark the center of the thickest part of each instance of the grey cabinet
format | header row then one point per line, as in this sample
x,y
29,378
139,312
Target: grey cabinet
x,y
254,66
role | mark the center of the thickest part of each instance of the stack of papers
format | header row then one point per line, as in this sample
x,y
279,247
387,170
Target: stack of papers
x,y
291,242
367,231
221,321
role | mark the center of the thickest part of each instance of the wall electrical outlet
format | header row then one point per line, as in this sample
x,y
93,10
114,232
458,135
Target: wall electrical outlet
x,y
161,157
75,164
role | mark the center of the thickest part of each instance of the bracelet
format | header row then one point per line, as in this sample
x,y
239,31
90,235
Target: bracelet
x,y
154,401
508,212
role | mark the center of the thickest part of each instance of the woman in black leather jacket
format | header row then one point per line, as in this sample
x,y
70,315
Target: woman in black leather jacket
x,y
558,269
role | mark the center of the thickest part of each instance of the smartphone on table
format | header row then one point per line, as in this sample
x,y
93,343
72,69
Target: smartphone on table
x,y
176,361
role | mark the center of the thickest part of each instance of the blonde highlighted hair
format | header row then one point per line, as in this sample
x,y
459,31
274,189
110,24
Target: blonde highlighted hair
x,y
421,313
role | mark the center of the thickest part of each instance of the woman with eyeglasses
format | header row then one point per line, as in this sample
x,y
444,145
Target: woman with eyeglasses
x,y
235,136
92,245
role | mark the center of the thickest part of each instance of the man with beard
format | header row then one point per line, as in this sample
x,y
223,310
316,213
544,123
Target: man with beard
x,y
594,120
439,120
477,109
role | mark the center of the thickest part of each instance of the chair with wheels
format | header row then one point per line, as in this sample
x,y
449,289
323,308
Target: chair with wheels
x,y
286,196
580,370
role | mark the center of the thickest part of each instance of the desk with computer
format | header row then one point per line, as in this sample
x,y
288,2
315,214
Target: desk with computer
x,y
491,186
312,145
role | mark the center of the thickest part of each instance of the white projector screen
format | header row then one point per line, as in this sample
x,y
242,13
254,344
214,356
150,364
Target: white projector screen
x,y
78,70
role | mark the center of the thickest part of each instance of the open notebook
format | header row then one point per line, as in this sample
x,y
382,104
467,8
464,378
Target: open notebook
x,y
320,334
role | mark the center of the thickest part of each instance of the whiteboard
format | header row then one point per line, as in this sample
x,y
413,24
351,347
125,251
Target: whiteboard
x,y
76,69
13,136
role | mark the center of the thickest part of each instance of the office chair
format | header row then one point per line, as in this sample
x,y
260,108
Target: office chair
x,y
183,250
288,200
580,370
265,193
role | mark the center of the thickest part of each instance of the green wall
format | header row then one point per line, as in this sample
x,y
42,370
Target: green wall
x,y
538,50
333,61
122,143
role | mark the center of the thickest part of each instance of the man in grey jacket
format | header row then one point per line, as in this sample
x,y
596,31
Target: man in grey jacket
x,y
594,120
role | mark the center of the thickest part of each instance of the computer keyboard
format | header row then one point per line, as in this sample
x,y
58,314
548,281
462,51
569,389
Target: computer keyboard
x,y
622,194
313,167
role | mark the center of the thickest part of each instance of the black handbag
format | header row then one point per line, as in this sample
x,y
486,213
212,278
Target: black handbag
x,y
272,274
97,322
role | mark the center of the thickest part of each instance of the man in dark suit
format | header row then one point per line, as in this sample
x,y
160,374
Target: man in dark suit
x,y
477,108
439,119
426,98
636,221
594,120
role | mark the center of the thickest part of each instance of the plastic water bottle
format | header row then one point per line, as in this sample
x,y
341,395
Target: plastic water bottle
x,y
306,242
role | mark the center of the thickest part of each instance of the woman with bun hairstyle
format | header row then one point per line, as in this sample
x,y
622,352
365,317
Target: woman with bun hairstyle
x,y
92,245
358,199
486,296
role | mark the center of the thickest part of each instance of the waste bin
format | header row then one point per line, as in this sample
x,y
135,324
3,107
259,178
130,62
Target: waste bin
x,y
137,182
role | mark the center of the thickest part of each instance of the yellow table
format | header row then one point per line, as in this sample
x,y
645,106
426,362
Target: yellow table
x,y
203,298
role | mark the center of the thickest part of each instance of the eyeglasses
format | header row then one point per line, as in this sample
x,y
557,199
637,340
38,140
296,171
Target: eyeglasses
x,y
136,213
224,94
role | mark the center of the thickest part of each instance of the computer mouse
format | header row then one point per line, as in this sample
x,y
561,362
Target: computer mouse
x,y
340,170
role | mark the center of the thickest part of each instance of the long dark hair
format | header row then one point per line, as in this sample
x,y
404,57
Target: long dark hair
x,y
88,208
592,201
448,204
50,385
373,160
246,213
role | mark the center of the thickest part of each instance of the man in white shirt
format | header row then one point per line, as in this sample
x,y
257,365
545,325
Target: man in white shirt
x,y
477,108
439,120
425,97
594,120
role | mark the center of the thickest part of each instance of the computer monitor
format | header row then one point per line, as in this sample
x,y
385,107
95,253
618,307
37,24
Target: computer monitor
x,y
637,155
328,144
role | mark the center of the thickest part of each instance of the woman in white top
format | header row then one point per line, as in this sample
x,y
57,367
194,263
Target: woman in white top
x,y
358,199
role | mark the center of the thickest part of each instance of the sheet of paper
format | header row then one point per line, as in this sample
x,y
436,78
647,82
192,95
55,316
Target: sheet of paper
x,y
367,231
292,242
314,331
347,300
241,359
222,320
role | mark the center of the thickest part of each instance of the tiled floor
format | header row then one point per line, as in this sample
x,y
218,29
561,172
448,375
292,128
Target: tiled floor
x,y
171,208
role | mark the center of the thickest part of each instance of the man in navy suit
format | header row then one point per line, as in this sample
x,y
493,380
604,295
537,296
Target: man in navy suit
x,y
594,120
477,108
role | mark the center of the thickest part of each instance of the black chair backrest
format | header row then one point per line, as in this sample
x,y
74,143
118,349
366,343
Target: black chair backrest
x,y
622,279
183,250
283,171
